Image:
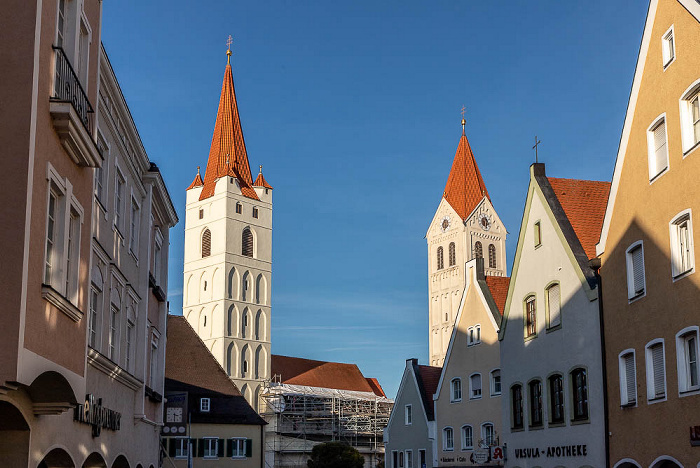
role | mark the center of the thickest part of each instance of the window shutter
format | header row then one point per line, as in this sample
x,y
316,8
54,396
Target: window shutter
x,y
554,300
638,269
172,446
220,447
660,153
631,379
200,447
657,360
229,447
248,448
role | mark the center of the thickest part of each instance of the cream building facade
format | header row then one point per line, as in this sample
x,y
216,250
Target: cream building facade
x,y
465,226
228,254
468,396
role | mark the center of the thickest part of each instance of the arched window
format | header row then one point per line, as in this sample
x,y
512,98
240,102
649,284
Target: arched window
x,y
206,243
535,390
556,399
475,386
492,256
579,383
487,434
516,406
440,259
448,441
456,390
553,296
478,250
453,254
467,438
244,324
247,245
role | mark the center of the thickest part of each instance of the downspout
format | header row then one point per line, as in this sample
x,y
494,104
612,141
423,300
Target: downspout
x,y
595,264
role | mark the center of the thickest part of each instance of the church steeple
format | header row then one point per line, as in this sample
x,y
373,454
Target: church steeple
x,y
227,143
465,187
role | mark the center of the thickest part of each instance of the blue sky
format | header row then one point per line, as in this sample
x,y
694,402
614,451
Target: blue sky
x,y
353,108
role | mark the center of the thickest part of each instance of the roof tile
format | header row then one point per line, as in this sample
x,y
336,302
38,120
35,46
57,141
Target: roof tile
x,y
498,285
428,380
465,187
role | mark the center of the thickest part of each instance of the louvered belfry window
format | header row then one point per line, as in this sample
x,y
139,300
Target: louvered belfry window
x,y
478,250
453,254
206,243
440,259
247,246
492,256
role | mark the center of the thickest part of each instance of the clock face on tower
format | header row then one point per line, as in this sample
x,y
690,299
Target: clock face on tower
x,y
445,224
484,222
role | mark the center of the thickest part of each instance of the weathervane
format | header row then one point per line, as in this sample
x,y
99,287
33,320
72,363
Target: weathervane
x,y
229,41
464,122
537,142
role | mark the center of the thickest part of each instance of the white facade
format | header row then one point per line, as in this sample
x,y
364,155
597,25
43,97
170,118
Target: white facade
x,y
555,435
446,281
226,294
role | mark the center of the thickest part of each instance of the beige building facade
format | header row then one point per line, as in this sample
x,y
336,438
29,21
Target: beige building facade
x,y
647,250
465,226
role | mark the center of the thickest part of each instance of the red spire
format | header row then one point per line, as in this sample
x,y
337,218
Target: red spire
x,y
227,144
260,181
465,187
197,182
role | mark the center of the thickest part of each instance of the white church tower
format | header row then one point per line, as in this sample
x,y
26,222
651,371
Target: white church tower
x,y
228,254
465,226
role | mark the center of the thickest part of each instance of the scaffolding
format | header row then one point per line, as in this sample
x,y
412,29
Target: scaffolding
x,y
300,417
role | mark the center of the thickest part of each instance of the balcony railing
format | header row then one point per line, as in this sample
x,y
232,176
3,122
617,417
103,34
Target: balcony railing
x,y
67,88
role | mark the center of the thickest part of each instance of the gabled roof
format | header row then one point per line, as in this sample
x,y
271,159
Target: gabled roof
x,y
465,187
427,378
227,144
321,374
498,285
584,203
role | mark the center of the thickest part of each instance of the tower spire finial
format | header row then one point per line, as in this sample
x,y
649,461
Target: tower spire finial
x,y
464,122
261,168
197,169
229,41
537,143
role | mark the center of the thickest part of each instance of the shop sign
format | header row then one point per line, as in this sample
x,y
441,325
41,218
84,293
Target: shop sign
x,y
479,456
175,414
554,451
498,453
93,413
695,436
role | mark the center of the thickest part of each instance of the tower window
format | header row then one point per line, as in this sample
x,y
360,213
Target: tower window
x,y
206,243
440,259
478,250
201,214
247,245
255,212
239,208
492,256
453,254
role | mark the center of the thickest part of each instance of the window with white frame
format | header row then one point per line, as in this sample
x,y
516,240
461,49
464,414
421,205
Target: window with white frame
x,y
456,387
656,370
92,318
72,256
475,386
400,459
204,405
628,378
488,436
182,445
408,415
553,305
129,345
114,333
474,335
153,374
211,447
636,282
467,437
53,231
394,459
237,447
668,48
495,382
657,147
158,246
409,458
134,230
119,188
690,117
530,316
448,441
687,359
682,252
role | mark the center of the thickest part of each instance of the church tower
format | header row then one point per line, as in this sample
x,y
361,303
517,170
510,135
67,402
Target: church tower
x,y
465,226
228,253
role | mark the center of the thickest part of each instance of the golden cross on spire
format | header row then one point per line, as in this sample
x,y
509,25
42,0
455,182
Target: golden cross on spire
x,y
229,41
464,122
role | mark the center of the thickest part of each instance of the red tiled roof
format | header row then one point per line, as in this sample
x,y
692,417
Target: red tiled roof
x,y
227,144
584,202
322,374
188,360
261,182
498,285
429,377
376,388
465,187
197,182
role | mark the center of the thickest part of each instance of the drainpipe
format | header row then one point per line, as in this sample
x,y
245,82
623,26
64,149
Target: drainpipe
x,y
595,264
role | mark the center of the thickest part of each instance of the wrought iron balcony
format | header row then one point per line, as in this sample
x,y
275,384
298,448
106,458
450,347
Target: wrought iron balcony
x,y
72,113
67,88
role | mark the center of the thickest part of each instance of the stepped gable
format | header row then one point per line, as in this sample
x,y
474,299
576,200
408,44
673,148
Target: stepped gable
x,y
228,155
322,374
465,187
584,203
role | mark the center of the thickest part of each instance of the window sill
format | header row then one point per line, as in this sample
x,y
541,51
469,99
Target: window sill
x,y
691,149
496,395
659,399
689,392
578,422
658,175
639,296
530,337
539,427
456,401
553,329
556,424
631,404
475,398
685,274
100,205
670,61
59,301
517,429
133,255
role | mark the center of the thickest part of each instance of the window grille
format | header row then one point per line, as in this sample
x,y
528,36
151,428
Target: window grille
x,y
206,243
492,256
